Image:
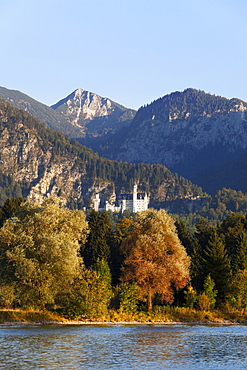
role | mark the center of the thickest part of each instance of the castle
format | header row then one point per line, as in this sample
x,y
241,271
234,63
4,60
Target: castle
x,y
134,202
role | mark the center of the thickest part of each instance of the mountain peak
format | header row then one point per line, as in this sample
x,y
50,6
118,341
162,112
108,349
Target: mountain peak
x,y
190,103
92,114
189,132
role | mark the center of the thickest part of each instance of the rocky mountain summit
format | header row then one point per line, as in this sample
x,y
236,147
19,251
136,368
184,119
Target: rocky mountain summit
x,y
190,132
92,114
44,162
81,114
200,136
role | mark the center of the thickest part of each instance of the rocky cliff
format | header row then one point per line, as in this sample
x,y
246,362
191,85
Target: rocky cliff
x,y
81,114
44,162
190,132
92,114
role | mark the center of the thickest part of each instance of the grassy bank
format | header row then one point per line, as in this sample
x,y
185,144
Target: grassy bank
x,y
28,316
183,315
168,315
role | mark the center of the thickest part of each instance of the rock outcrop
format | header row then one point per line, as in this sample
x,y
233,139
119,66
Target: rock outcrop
x,y
45,162
190,132
92,114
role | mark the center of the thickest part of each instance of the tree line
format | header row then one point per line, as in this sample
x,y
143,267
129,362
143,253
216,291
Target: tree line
x,y
218,207
56,258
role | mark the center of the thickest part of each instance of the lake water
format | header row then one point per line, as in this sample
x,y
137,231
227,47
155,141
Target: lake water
x,y
123,347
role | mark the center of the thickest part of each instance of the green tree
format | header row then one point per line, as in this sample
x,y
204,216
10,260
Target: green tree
x,y
97,245
239,260
39,251
208,289
156,260
190,296
91,293
217,264
238,289
128,297
103,290
192,248
234,233
115,241
9,208
202,236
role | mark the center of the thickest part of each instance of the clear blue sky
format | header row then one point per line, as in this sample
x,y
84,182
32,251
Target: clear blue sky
x,y
132,51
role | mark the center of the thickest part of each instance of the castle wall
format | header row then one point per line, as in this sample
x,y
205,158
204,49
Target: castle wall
x,y
135,202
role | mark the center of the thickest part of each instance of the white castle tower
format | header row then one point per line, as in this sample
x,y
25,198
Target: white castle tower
x,y
135,202
134,199
96,202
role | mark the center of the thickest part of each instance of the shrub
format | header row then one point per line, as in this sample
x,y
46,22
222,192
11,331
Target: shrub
x,y
203,302
190,297
128,297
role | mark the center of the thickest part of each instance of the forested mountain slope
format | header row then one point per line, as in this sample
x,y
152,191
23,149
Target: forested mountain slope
x,y
44,162
41,111
81,114
195,134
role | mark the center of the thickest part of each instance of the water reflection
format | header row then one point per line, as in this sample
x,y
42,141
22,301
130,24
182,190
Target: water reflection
x,y
158,345
123,347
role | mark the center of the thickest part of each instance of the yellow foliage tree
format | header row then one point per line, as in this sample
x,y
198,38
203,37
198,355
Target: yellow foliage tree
x,y
238,289
156,260
39,251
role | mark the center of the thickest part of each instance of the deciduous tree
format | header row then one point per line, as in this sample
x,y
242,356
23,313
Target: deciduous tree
x,y
238,289
39,251
156,259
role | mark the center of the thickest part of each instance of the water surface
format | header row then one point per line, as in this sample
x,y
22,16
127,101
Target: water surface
x,y
123,347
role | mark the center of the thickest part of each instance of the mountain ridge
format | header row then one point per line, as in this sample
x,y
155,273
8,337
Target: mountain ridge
x,y
45,162
105,116
93,115
181,131
193,133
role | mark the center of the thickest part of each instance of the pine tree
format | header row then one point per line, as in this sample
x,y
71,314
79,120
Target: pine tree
x,y
202,237
217,264
192,248
239,260
97,245
102,285
115,241
233,230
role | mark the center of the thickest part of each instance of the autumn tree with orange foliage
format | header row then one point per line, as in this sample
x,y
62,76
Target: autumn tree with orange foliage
x,y
156,259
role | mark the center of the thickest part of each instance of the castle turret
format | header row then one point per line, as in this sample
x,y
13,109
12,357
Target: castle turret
x,y
96,202
135,198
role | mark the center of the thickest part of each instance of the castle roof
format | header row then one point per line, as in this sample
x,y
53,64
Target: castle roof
x,y
130,196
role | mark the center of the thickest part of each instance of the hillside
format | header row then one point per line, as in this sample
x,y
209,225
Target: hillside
x,y
198,135
44,162
93,115
41,111
80,115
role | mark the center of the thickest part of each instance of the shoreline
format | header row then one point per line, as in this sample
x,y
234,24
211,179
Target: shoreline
x,y
102,323
177,316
